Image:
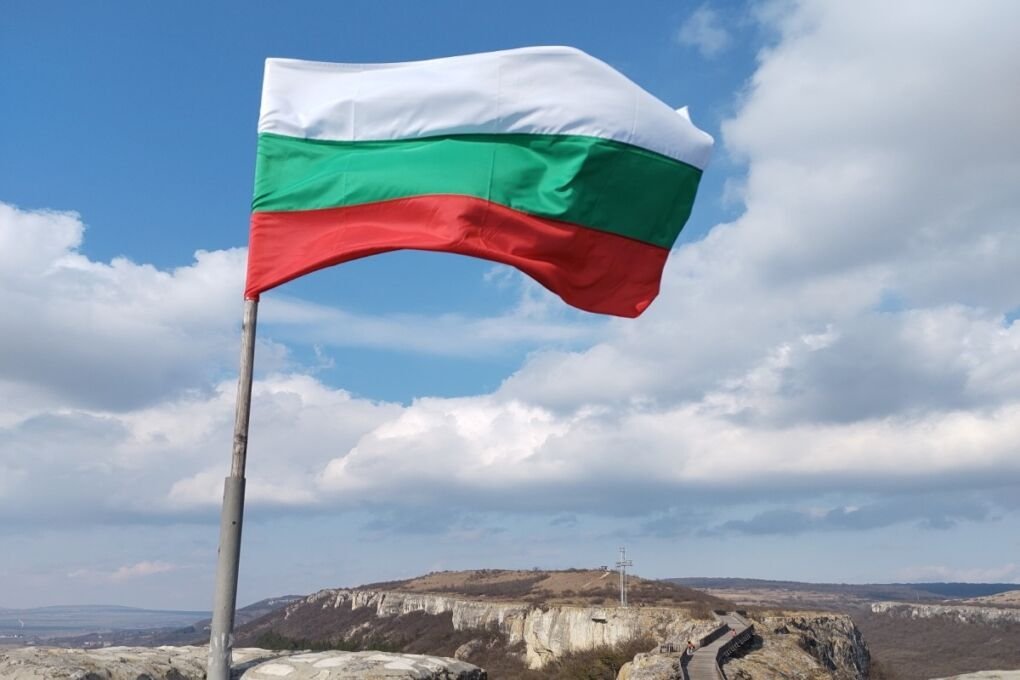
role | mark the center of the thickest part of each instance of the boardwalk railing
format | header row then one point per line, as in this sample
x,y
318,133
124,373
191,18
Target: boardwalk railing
x,y
714,648
737,641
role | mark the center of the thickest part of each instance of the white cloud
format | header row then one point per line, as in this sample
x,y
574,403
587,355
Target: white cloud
x,y
507,456
704,31
140,569
769,354
170,459
114,335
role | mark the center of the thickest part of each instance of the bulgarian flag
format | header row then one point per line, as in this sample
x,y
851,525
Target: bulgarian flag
x,y
542,158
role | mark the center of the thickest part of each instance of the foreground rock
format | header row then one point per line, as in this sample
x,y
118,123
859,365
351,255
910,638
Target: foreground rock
x,y
118,663
189,663
986,675
374,665
652,667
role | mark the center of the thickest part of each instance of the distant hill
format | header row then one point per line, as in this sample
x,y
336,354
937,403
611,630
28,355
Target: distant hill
x,y
905,592
965,590
309,623
94,625
569,586
71,619
255,610
418,616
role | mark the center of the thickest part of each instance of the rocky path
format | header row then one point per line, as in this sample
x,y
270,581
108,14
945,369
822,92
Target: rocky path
x,y
704,665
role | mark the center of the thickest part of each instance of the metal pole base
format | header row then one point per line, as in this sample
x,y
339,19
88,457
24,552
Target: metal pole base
x,y
221,638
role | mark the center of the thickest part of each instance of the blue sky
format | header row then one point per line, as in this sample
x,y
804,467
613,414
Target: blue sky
x,y
827,389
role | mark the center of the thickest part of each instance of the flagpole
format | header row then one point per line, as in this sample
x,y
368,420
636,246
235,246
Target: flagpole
x,y
221,634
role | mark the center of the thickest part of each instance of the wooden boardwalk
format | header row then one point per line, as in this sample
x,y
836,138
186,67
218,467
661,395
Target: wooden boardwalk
x,y
704,664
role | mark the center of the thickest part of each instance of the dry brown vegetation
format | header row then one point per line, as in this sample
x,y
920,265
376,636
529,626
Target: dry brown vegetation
x,y
916,649
601,663
571,586
413,633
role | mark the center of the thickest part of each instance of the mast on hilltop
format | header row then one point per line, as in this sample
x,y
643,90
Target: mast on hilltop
x,y
622,565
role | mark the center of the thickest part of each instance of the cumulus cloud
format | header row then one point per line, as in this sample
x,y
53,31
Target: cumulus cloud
x,y
140,569
704,31
772,360
168,461
112,334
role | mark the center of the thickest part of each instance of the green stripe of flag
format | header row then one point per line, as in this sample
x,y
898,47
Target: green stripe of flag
x,y
588,181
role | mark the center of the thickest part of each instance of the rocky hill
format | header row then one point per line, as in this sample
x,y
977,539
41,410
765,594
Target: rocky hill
x,y
543,620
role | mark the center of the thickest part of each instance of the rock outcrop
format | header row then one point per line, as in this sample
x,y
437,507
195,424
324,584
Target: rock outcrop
x,y
189,663
803,646
546,632
118,663
652,667
961,613
364,665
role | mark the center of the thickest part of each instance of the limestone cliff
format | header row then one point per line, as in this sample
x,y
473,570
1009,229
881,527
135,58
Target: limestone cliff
x,y
546,632
961,613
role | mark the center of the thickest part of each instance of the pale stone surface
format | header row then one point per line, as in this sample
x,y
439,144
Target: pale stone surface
x,y
652,667
547,633
336,665
189,663
118,663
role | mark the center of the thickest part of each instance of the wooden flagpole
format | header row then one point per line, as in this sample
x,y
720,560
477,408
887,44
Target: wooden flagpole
x,y
221,635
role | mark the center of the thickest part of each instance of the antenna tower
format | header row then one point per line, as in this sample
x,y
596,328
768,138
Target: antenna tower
x,y
622,564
